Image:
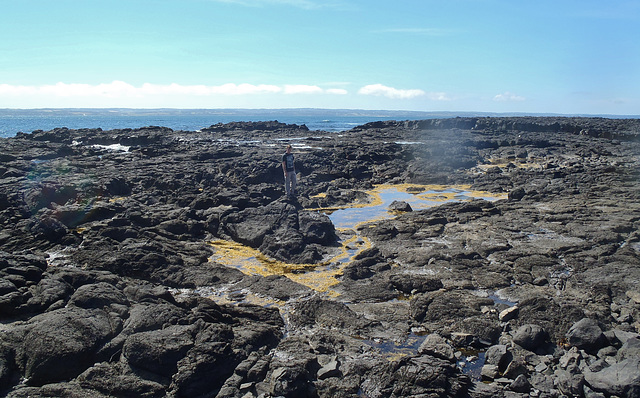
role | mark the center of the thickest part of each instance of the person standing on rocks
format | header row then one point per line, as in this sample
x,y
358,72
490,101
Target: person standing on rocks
x,y
289,169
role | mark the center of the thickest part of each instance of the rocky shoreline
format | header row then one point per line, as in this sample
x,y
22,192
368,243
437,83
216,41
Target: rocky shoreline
x,y
109,284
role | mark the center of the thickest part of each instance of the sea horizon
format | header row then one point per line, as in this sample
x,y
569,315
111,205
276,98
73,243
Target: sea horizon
x,y
14,120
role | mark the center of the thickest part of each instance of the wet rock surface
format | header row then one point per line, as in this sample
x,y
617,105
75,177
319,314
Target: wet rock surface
x,y
108,286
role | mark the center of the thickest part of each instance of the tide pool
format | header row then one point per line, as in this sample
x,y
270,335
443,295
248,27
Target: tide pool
x,y
419,197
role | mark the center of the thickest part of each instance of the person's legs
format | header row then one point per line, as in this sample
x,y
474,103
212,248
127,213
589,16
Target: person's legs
x,y
294,182
287,183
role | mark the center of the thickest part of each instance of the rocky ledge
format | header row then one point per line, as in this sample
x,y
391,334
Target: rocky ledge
x,y
109,285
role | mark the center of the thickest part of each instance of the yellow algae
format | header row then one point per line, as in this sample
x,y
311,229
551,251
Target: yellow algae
x,y
319,277
322,277
375,201
320,281
252,261
397,356
320,195
117,199
430,192
484,194
325,276
344,252
228,252
416,195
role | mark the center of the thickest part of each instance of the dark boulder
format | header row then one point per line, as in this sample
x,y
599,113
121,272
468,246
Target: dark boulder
x,y
115,380
517,193
43,195
412,283
282,231
279,287
250,226
208,364
158,351
118,186
49,292
499,356
414,376
317,228
330,314
400,206
621,379
48,228
530,337
69,335
100,295
586,335
365,264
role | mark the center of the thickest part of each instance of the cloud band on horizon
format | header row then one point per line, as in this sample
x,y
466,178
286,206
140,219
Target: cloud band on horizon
x,y
118,89
508,97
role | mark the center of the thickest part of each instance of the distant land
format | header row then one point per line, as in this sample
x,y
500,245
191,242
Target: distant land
x,y
274,113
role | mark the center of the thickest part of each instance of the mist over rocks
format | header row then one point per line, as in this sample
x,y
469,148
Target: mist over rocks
x,y
108,286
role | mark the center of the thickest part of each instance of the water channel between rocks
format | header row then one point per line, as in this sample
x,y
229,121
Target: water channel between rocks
x,y
323,277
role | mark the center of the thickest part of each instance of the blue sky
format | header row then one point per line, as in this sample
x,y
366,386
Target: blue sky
x,y
560,56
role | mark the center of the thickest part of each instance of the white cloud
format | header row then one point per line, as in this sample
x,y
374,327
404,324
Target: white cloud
x,y
301,89
240,89
119,89
113,89
390,92
439,97
7,89
508,97
202,90
337,91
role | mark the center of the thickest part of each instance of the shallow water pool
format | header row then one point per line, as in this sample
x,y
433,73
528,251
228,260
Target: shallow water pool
x,y
322,277
419,197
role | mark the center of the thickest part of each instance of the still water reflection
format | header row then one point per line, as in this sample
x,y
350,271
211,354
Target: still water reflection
x,y
417,196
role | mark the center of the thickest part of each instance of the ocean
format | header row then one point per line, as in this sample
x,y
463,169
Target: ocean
x,y
331,120
13,121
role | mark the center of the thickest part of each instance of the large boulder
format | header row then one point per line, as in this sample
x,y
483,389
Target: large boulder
x,y
586,335
423,376
630,349
281,231
98,295
330,314
316,228
207,365
415,283
49,291
71,336
621,379
530,337
436,345
158,351
400,206
498,355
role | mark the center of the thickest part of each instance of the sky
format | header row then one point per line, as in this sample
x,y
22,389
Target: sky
x,y
544,56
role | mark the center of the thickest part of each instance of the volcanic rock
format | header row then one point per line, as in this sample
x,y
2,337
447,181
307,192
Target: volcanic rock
x,y
530,337
587,335
112,281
